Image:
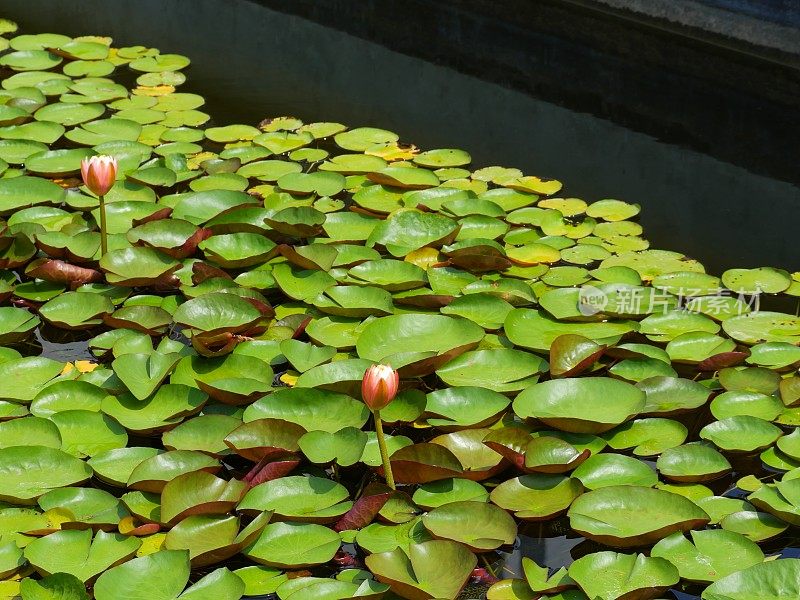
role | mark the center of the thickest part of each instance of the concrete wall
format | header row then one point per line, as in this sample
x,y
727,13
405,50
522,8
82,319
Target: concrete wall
x,y
769,28
784,12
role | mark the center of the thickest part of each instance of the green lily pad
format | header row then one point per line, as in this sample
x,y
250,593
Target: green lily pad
x,y
647,437
214,313
445,491
86,432
298,498
610,575
362,138
409,229
165,408
433,569
115,466
667,396
435,339
16,324
163,576
763,326
754,525
774,579
691,463
580,405
159,63
20,432
602,470
480,526
20,192
501,370
30,60
198,492
153,473
320,183
87,506
76,553
31,471
537,497
143,373
343,447
741,433
754,404
625,516
464,407
58,585
310,408
754,281
710,555
535,330
304,356
293,545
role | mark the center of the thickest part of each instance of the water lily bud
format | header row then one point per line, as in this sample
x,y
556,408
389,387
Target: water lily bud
x,y
379,386
99,173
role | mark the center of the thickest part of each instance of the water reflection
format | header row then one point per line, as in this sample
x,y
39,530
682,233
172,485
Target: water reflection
x,y
62,345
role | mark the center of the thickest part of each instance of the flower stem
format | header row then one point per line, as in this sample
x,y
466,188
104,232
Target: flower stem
x,y
103,229
387,466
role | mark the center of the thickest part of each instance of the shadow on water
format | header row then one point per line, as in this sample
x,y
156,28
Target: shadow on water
x,y
251,62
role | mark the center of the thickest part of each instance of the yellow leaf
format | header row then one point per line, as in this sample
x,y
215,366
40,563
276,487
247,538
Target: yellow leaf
x,y
290,378
194,162
393,151
9,590
85,366
97,39
58,516
68,368
151,544
126,525
153,90
467,185
423,257
114,58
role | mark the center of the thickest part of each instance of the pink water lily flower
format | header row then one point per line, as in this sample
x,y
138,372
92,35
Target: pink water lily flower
x,y
99,173
379,386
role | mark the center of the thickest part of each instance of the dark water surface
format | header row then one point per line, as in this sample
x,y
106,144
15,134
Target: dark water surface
x,y
251,62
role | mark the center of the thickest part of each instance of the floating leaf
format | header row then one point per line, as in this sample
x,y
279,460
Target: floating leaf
x,y
434,569
610,575
710,555
581,405
625,516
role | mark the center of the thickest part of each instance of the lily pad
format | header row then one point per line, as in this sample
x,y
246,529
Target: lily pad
x,y
625,516
610,575
710,555
297,498
293,545
433,569
580,405
478,525
691,463
774,579
30,471
435,339
76,553
537,497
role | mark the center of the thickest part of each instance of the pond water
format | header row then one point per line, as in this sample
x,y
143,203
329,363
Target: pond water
x,y
250,62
